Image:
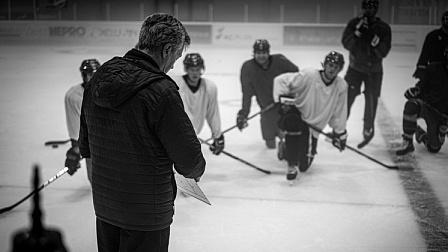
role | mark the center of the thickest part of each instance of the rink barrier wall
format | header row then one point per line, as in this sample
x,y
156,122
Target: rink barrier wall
x,y
215,34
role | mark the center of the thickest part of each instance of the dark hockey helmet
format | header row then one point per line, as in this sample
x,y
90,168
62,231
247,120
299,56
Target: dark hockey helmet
x,y
370,3
261,45
193,60
336,58
89,66
444,16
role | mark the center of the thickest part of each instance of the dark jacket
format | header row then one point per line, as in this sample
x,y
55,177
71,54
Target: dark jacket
x,y
434,86
433,47
134,128
364,57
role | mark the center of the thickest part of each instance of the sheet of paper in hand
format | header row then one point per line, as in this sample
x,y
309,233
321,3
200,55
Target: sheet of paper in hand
x,y
190,187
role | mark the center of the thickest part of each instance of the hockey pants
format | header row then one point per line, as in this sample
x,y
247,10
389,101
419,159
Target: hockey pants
x,y
297,137
436,126
372,90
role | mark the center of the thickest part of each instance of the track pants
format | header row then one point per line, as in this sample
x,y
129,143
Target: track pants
x,y
111,238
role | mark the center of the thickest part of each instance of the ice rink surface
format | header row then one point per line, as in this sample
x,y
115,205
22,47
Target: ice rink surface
x,y
344,202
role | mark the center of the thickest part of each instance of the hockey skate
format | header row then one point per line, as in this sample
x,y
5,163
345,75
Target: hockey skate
x,y
310,160
368,135
406,154
292,174
420,135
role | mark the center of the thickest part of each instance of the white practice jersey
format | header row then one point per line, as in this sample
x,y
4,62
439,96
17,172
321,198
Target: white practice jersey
x,y
73,102
201,105
318,103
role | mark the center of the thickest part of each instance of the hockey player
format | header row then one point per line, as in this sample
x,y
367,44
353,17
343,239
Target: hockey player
x,y
256,78
73,101
368,39
432,51
319,97
200,99
428,100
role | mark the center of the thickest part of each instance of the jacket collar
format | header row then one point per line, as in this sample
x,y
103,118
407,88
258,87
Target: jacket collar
x,y
135,54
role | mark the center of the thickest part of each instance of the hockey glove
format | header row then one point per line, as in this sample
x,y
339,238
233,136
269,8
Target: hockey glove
x,y
375,40
340,140
361,27
286,101
241,121
218,145
371,37
72,161
419,73
412,93
363,30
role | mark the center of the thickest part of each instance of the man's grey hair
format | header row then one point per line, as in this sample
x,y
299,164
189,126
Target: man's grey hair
x,y
159,29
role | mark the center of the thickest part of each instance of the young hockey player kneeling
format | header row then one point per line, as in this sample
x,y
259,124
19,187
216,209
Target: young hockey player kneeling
x,y
318,98
427,100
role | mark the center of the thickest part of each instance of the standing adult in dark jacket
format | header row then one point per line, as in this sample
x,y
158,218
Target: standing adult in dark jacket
x,y
134,129
432,51
368,40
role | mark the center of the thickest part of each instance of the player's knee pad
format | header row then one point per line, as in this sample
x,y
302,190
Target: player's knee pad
x,y
291,122
433,149
411,107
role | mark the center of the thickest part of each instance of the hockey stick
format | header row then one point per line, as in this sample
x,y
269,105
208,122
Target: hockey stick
x,y
239,159
56,143
60,173
250,117
435,110
392,167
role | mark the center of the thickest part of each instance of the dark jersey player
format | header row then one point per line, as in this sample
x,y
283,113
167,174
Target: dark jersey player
x,y
428,100
432,51
257,77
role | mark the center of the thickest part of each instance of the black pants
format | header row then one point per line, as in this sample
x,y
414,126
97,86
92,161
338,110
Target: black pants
x,y
296,137
268,123
111,238
372,90
435,124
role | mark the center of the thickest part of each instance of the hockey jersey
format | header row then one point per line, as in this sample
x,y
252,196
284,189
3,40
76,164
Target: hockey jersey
x,y
201,105
433,47
73,102
318,103
434,86
256,81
